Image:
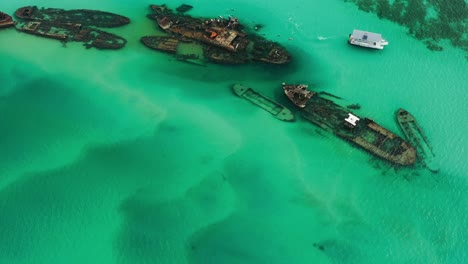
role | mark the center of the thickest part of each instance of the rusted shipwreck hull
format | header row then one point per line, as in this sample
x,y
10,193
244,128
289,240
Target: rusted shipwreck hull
x,y
363,132
223,40
6,20
162,43
207,53
418,139
66,32
84,17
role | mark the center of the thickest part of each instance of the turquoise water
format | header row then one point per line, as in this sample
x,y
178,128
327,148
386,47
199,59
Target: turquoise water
x,y
132,157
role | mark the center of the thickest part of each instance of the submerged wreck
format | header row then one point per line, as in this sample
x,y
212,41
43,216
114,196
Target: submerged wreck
x,y
6,20
66,32
417,138
162,43
222,40
276,109
84,17
362,132
183,8
183,50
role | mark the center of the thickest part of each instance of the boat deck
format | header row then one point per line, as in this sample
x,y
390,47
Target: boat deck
x,y
366,134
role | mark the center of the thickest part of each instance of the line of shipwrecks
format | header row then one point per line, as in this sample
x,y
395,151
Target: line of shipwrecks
x,y
225,40
189,39
322,110
78,25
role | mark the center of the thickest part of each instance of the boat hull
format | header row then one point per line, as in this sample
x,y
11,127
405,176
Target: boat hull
x,y
73,32
277,110
365,45
414,134
223,40
6,20
161,43
367,134
84,17
184,51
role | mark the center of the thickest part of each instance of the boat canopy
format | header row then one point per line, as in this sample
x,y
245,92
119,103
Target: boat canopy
x,y
366,36
352,119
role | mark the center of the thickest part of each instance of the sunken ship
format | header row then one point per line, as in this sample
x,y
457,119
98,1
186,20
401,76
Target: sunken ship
x,y
417,138
363,132
276,109
6,20
66,32
222,40
84,17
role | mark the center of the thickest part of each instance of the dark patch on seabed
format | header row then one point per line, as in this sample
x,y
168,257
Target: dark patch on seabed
x,y
40,112
155,230
216,73
339,251
427,20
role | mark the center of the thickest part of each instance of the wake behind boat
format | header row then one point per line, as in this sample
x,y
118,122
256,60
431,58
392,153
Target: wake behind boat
x,y
367,39
274,108
416,137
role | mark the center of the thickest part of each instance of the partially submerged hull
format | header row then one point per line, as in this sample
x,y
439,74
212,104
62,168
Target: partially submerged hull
x,y
299,94
416,137
362,132
221,56
205,53
162,43
6,20
185,51
84,17
274,108
73,32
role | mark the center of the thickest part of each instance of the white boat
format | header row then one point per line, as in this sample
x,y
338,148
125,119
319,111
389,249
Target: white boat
x,y
367,39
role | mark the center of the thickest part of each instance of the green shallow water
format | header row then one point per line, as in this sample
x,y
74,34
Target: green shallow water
x,y
130,156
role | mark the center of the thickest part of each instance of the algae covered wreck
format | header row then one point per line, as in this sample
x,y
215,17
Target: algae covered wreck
x,y
85,17
363,132
418,139
222,40
71,32
78,25
6,20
